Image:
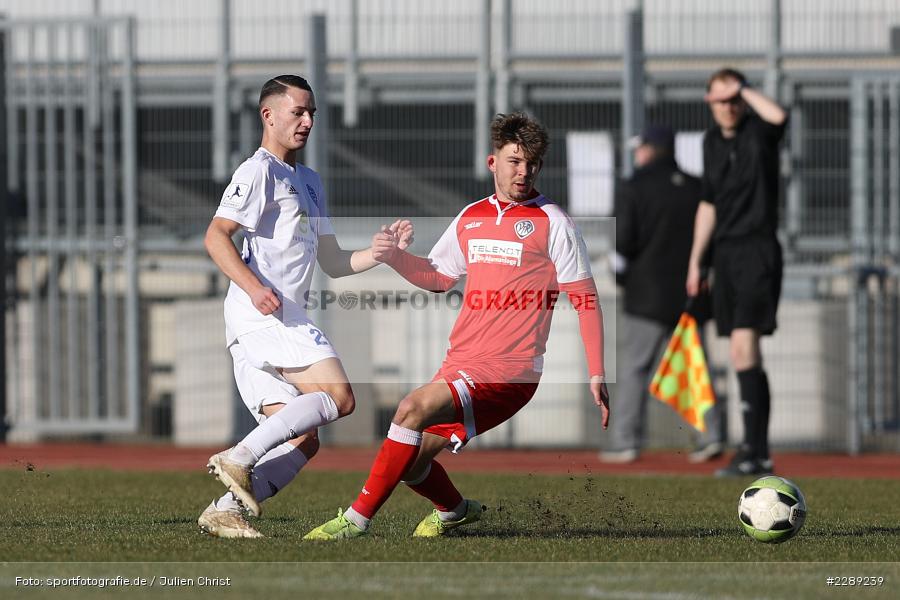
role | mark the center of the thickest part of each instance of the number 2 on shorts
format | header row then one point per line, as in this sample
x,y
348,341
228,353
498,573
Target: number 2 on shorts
x,y
320,337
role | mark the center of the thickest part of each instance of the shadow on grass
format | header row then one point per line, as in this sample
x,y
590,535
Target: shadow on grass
x,y
175,521
596,532
657,533
292,520
853,532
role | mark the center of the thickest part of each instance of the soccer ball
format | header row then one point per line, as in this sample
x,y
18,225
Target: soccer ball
x,y
772,509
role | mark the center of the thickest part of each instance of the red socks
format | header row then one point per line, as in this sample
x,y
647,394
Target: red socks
x,y
397,454
435,485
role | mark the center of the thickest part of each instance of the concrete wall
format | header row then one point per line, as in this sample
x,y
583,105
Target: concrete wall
x,y
806,361
203,409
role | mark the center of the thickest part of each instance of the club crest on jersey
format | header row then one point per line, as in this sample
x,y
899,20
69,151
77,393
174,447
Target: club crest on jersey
x,y
312,194
524,228
302,226
235,195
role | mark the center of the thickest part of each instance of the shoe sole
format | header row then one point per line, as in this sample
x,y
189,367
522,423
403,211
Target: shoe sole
x,y
227,533
243,496
319,537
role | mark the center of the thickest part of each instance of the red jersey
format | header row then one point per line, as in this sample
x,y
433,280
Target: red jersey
x,y
514,257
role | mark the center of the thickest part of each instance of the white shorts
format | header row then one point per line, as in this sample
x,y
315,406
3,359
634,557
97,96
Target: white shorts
x,y
258,355
286,346
259,387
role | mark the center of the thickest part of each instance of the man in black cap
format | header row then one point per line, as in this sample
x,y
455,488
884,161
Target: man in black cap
x,y
739,213
654,213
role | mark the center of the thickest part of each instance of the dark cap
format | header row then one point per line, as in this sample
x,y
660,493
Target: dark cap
x,y
660,136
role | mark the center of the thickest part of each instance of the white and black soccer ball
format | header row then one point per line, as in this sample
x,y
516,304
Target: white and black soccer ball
x,y
772,509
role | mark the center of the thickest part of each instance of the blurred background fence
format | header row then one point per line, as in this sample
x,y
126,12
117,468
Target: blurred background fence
x,y
123,121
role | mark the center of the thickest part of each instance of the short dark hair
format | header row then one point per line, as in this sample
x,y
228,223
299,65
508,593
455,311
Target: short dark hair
x,y
725,73
520,129
279,85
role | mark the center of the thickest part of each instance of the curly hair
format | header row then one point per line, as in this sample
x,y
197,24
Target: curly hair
x,y
520,129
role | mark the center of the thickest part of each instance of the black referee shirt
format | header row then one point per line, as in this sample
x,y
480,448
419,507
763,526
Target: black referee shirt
x,y
741,176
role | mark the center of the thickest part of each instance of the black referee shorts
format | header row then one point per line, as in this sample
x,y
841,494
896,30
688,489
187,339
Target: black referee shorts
x,y
747,284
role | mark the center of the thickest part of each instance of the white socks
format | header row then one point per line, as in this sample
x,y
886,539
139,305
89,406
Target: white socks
x,y
241,454
227,502
357,519
273,471
276,469
456,514
363,523
299,415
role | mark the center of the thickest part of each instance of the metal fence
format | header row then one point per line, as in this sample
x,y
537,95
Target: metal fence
x,y
875,226
124,119
72,170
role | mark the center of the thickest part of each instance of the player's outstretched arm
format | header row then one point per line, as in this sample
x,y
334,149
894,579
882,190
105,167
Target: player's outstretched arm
x,y
389,246
420,272
337,262
223,252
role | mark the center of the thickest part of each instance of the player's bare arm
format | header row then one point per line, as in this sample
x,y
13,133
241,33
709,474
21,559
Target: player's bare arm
x,y
337,262
222,250
601,398
704,224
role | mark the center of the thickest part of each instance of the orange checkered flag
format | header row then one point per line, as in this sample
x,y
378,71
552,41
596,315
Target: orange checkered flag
x,y
682,379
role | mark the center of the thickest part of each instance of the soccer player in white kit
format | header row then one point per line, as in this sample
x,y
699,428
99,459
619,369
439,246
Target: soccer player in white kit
x,y
287,372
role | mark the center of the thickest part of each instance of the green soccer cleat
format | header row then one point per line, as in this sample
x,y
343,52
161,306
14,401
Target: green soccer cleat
x,y
339,528
432,526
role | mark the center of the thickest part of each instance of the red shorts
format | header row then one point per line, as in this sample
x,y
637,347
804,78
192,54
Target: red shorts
x,y
479,406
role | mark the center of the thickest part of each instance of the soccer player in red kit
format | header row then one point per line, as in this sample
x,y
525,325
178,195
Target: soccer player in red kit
x,y
517,251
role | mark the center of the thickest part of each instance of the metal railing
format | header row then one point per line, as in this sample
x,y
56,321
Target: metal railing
x,y
72,164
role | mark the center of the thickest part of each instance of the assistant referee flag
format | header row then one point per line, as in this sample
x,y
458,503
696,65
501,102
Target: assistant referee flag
x,y
682,379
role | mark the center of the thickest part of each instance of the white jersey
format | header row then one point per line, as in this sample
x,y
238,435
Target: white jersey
x,y
282,211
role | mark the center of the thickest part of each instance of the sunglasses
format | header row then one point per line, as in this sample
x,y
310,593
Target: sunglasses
x,y
732,101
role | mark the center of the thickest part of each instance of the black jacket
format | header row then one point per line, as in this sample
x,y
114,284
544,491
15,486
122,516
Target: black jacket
x,y
655,212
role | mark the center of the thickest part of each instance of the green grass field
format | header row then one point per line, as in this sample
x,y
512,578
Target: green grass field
x,y
686,525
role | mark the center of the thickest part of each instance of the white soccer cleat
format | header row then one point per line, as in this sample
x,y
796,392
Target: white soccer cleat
x,y
237,478
226,523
